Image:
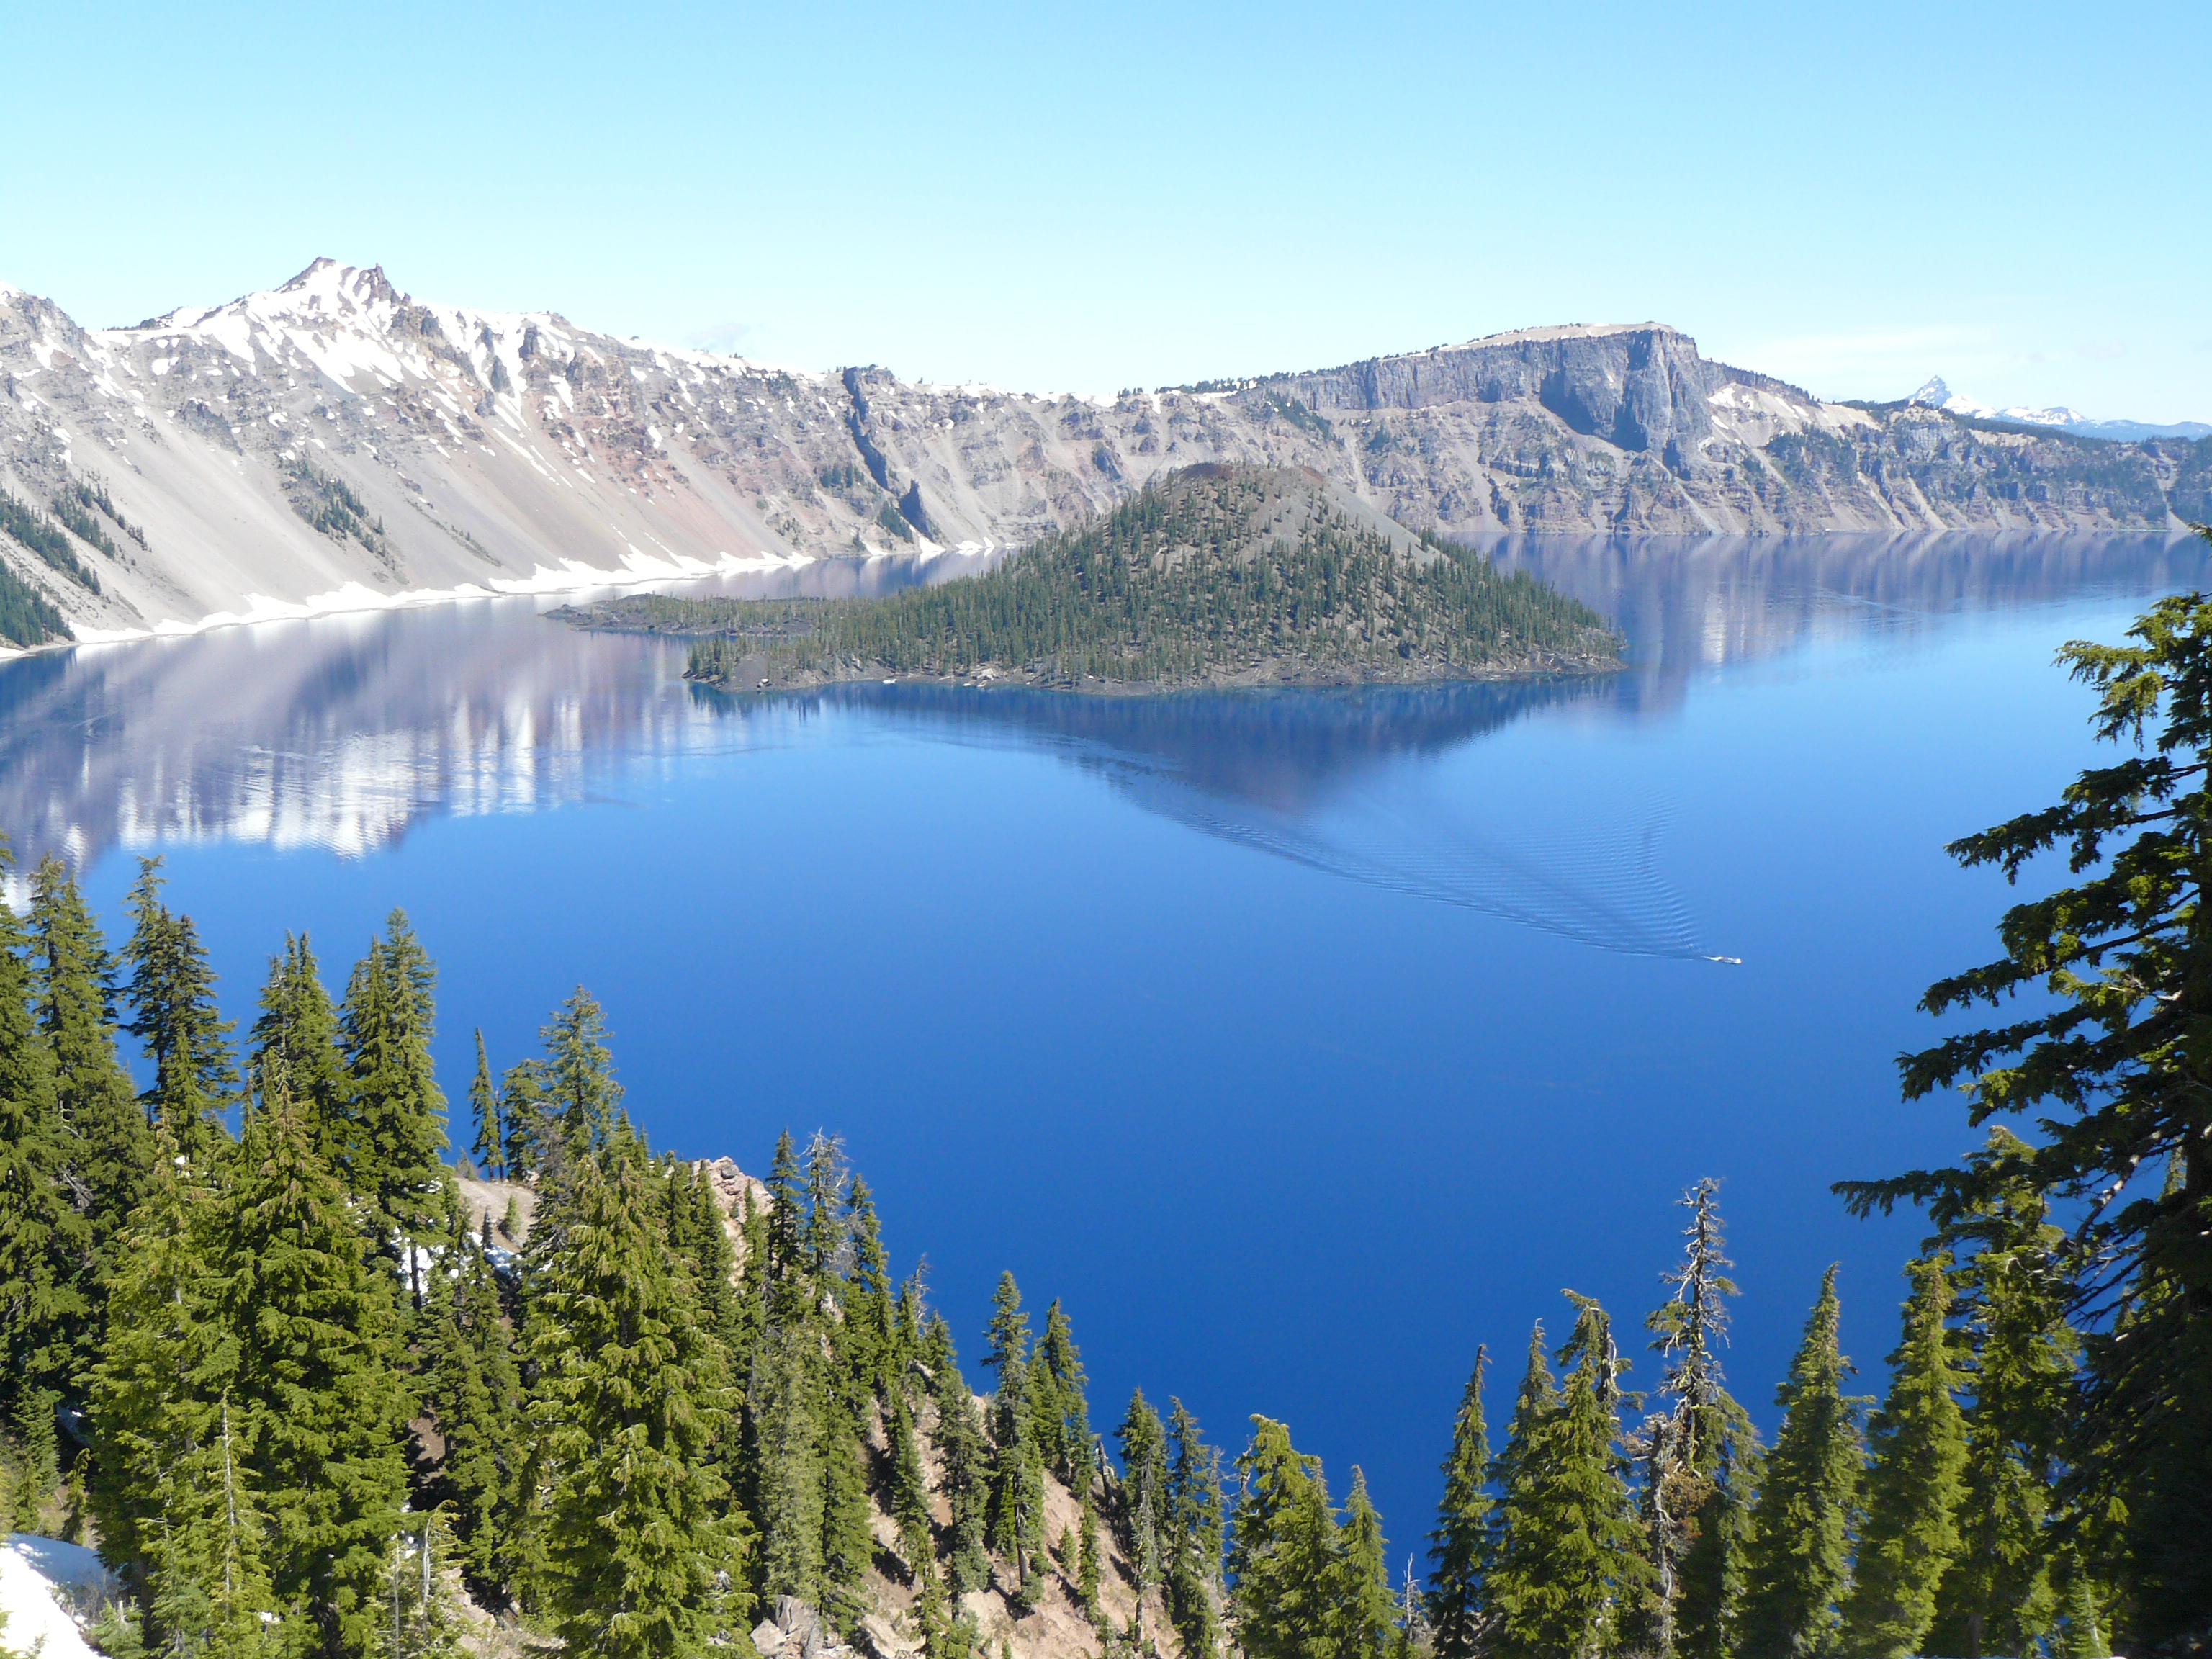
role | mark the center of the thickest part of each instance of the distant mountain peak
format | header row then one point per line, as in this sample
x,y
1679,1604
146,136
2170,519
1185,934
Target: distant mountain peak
x,y
1934,394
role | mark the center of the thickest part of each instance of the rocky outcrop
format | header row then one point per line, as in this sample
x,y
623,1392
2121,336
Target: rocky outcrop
x,y
337,442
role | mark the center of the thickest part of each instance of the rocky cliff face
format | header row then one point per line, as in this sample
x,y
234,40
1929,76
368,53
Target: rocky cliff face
x,y
335,443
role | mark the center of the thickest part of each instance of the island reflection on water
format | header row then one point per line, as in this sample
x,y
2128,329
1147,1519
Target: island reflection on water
x,y
339,733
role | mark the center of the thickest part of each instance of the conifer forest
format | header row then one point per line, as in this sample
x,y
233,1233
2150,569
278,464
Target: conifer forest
x,y
327,1366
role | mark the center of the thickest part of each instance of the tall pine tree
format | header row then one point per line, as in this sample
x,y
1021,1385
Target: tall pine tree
x,y
398,1124
1998,1595
1919,1439
110,1149
1459,1548
312,1368
1798,1569
1702,1459
643,1561
172,1008
45,1243
1570,1574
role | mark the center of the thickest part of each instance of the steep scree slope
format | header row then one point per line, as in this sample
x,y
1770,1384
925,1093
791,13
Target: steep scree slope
x,y
335,437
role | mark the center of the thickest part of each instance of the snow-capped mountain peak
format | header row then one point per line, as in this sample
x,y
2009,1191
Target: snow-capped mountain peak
x,y
1935,393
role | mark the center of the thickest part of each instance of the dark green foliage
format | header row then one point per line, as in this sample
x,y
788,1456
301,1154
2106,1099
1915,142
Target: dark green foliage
x,y
2021,1356
1800,1560
1918,1439
72,509
292,1051
641,1559
1195,1531
1166,588
2108,1070
1142,1513
30,527
474,1390
46,1312
1569,1575
150,1388
491,1139
1062,1413
783,1405
171,998
1702,1460
90,493
963,1459
111,1150
848,1535
909,1490
1459,1548
26,616
1364,1612
577,1075
1288,1600
329,503
310,1362
208,1583
398,1113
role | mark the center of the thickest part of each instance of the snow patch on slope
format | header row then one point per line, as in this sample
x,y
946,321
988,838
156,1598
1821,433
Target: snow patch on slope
x,y
41,1579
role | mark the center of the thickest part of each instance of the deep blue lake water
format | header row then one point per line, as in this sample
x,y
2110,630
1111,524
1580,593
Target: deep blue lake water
x,y
1299,1041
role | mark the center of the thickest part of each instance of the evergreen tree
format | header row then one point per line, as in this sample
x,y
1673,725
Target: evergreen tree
x,y
643,1563
1702,1461
784,1406
172,997
293,1050
474,1390
909,1491
1998,1597
848,1544
46,1243
963,1459
1064,1424
398,1128
492,1140
310,1358
1195,1527
1570,1574
785,1281
1144,1508
577,1075
208,1590
868,1330
111,1150
1086,1568
1459,1548
1798,1569
1918,1441
524,1118
154,1386
419,1595
1282,1559
1363,1612
825,1233
2082,1629
2104,1061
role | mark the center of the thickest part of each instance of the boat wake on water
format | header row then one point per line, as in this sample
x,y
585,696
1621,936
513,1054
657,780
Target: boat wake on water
x,y
1597,885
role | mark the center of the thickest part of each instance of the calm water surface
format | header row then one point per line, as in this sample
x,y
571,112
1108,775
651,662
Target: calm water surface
x,y
1299,1041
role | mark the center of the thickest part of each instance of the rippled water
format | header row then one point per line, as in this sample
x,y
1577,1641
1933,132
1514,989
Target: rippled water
x,y
1298,1040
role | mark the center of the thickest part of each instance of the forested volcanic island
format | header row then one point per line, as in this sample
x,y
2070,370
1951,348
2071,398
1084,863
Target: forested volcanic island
x,y
1216,575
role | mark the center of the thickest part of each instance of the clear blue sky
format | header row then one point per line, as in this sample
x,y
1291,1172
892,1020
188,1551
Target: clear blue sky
x,y
1855,197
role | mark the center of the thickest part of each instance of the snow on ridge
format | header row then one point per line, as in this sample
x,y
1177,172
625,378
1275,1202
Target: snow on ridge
x,y
573,576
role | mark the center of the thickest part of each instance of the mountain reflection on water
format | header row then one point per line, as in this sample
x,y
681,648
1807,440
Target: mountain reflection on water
x,y
339,733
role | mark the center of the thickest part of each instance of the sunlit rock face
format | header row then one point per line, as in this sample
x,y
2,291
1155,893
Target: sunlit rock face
x,y
337,444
